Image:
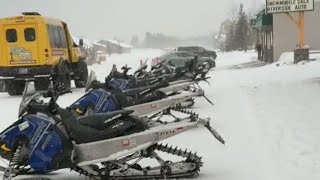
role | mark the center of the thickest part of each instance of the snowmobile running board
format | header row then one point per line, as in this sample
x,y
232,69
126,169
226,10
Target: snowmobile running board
x,y
146,109
112,149
180,81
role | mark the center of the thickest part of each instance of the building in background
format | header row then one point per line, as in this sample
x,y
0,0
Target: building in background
x,y
277,34
100,47
115,46
226,28
263,24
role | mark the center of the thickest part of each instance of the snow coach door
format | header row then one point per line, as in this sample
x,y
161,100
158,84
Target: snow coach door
x,y
21,47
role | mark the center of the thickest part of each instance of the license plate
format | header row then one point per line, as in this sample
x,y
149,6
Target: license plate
x,y
23,71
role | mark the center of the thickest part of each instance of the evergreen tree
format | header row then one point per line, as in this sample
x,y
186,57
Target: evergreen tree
x,y
242,31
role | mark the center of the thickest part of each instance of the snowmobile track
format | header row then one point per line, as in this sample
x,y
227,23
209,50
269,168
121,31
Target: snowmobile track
x,y
190,158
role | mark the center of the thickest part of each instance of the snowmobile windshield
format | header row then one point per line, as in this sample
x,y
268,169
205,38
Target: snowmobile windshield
x,y
114,73
114,69
143,66
91,78
29,94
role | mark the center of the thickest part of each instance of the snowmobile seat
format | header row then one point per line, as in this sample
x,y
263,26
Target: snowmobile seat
x,y
81,133
144,90
102,120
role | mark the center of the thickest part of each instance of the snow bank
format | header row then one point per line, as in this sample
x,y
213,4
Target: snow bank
x,y
287,58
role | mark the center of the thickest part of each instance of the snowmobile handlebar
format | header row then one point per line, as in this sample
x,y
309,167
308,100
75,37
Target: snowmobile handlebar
x,y
55,94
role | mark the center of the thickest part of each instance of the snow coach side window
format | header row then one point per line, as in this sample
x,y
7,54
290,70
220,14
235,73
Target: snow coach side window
x,y
51,35
62,37
11,35
57,39
29,34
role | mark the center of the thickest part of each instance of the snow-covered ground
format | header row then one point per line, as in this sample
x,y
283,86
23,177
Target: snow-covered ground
x,y
269,117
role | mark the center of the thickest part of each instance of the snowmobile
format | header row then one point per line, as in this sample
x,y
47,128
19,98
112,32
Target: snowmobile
x,y
142,101
107,146
155,89
117,94
125,81
189,71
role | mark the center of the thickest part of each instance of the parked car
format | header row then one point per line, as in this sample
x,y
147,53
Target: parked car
x,y
200,51
181,57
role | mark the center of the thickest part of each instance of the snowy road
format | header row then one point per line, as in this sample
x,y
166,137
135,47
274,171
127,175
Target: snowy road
x,y
269,117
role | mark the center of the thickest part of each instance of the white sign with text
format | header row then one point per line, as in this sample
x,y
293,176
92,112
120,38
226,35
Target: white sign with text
x,y
282,6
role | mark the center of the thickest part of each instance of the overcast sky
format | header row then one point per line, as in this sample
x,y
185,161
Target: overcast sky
x,y
123,18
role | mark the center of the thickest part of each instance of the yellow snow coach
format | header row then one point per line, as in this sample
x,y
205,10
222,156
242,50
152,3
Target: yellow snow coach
x,y
37,48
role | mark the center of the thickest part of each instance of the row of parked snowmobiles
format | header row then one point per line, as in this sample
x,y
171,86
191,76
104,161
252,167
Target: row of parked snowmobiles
x,y
108,132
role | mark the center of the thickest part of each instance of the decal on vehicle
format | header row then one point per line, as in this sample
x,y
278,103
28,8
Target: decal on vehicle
x,y
46,142
58,53
23,125
113,118
19,55
129,142
154,105
42,127
4,147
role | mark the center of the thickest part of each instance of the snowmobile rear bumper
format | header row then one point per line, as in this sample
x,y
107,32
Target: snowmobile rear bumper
x,y
145,109
176,87
25,72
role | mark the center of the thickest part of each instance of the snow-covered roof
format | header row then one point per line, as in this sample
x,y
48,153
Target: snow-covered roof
x,y
99,44
86,42
120,43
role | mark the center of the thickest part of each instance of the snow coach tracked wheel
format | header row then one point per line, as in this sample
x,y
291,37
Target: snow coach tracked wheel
x,y
81,74
15,87
41,84
62,80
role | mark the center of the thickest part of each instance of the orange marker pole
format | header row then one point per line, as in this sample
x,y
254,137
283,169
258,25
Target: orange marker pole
x,y
301,29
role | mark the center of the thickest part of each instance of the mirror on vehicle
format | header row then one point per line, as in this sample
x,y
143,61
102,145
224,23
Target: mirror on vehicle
x,y
81,42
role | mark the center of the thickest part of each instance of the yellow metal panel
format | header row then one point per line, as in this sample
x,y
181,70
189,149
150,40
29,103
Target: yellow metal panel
x,y
39,52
